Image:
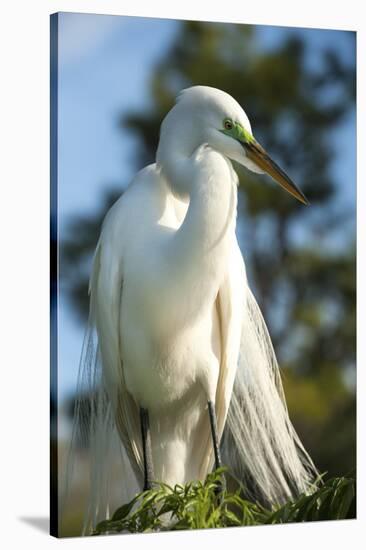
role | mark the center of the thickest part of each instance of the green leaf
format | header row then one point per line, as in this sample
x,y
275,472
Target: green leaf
x,y
124,510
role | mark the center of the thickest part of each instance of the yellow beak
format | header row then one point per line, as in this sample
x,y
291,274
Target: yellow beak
x,y
259,156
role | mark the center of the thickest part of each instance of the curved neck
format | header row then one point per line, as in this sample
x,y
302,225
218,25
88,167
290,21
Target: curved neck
x,y
178,144
198,252
211,215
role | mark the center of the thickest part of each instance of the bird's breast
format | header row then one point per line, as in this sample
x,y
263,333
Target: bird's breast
x,y
163,367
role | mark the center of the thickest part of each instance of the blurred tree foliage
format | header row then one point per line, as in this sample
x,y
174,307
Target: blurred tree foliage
x,y
304,279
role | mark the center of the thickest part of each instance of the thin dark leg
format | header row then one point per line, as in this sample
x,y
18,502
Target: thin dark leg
x,y
146,448
215,439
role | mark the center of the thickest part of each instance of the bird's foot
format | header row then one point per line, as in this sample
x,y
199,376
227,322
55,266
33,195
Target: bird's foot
x,y
220,487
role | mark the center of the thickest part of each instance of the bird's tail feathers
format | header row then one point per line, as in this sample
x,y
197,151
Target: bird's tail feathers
x,y
260,445
94,429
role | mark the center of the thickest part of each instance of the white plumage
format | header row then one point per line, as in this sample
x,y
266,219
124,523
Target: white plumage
x,y
173,323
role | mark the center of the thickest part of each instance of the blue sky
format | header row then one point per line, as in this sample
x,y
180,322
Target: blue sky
x,y
105,63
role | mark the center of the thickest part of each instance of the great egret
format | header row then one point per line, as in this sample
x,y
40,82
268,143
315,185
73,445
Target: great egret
x,y
183,373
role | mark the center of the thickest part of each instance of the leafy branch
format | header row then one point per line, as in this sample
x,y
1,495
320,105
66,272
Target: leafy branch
x,y
204,505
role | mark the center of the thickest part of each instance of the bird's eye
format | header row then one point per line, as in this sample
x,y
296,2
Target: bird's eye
x,y
228,125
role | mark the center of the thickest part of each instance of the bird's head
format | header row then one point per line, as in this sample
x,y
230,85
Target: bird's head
x,y
207,115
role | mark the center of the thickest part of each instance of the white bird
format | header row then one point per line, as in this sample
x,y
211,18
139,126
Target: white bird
x,y
183,374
